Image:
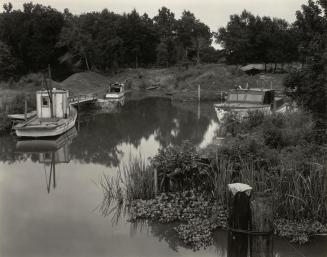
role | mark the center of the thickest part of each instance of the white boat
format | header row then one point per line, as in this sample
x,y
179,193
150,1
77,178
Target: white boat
x,y
54,115
115,91
241,101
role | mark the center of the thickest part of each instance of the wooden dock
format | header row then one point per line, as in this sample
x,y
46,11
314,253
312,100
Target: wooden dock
x,y
83,99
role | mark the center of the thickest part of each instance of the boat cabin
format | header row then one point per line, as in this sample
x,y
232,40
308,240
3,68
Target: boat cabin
x,y
60,103
116,88
251,96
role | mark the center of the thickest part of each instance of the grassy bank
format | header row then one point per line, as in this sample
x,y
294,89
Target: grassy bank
x,y
180,83
284,154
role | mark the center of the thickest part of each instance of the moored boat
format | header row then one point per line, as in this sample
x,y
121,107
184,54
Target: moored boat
x,y
54,115
115,91
241,101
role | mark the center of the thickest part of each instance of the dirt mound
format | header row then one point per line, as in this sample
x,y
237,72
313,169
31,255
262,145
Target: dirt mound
x,y
85,83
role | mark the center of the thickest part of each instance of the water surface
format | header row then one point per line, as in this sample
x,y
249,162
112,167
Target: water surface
x,y
50,194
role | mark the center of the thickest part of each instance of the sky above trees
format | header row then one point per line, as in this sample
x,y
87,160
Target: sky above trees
x,y
214,13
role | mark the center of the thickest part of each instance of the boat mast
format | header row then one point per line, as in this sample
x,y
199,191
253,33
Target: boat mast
x,y
49,90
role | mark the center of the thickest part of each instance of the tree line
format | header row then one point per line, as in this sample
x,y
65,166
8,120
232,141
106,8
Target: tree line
x,y
38,35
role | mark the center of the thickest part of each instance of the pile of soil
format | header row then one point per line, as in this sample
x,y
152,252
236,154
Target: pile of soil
x,y
85,83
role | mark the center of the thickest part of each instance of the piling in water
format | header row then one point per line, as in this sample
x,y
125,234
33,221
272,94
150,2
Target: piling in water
x,y
238,219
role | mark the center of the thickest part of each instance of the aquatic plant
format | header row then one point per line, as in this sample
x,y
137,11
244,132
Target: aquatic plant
x,y
134,180
179,168
196,215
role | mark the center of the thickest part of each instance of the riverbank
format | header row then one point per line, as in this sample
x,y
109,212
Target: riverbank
x,y
175,83
281,154
178,83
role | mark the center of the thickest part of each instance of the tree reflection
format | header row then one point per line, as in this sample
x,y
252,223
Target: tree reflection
x,y
99,139
101,135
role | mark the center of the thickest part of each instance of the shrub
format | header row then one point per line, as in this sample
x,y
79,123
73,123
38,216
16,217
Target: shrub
x,y
179,167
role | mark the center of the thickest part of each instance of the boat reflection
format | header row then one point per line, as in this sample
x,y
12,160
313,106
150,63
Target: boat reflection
x,y
49,152
111,104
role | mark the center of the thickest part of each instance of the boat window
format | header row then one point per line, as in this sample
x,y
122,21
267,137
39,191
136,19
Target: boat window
x,y
47,156
115,89
254,98
45,101
237,97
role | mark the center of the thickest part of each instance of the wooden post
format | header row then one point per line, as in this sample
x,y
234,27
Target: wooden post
x,y
238,219
262,221
25,109
199,93
155,182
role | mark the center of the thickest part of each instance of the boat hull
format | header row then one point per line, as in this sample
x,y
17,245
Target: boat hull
x,y
114,95
45,144
47,131
221,110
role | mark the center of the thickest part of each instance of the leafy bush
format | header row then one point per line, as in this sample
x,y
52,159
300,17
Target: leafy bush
x,y
282,130
179,167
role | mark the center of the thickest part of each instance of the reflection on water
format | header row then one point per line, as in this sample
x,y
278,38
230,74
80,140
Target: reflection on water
x,y
49,152
67,222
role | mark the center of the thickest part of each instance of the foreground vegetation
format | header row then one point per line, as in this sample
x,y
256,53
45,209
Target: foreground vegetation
x,y
11,105
281,154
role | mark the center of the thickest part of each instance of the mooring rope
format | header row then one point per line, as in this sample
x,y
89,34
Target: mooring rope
x,y
251,232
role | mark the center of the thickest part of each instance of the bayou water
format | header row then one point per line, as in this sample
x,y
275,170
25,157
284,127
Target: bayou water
x,y
50,198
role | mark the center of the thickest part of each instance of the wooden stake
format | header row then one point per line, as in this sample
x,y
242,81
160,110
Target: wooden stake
x,y
155,182
238,219
25,109
262,221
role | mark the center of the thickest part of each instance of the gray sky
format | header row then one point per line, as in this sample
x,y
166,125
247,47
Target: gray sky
x,y
214,13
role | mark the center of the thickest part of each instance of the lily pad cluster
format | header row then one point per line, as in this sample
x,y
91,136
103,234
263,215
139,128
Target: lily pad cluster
x,y
298,232
197,214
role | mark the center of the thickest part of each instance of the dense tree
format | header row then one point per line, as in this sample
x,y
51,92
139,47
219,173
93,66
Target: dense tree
x,y
193,35
31,33
165,24
8,63
247,39
309,22
308,86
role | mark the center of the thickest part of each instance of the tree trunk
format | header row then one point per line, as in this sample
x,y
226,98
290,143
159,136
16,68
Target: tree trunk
x,y
136,62
87,63
198,56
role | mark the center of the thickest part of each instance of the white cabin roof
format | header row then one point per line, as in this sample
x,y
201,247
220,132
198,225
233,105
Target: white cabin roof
x,y
54,91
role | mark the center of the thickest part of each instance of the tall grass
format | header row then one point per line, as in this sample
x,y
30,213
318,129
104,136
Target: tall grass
x,y
298,193
134,180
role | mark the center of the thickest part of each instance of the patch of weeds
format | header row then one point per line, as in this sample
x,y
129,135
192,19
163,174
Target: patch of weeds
x,y
197,214
298,232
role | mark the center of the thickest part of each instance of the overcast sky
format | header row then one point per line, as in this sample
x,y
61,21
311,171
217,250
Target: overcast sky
x,y
214,13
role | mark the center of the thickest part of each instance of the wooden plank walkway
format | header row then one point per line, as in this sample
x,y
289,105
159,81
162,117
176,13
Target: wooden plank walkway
x,y
83,99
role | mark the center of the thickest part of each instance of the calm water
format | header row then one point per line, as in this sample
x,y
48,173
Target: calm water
x,y
49,194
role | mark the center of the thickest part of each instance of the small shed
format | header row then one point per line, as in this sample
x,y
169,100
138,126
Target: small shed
x,y
60,103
